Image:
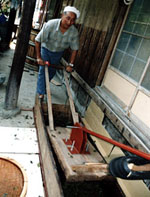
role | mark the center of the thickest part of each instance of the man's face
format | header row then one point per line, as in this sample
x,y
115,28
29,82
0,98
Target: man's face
x,y
68,19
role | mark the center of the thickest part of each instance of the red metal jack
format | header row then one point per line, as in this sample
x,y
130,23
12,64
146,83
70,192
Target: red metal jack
x,y
77,143
83,131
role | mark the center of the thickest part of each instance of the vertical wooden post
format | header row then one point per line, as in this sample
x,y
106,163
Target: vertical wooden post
x,y
12,90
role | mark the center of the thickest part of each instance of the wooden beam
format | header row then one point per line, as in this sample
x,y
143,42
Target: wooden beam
x,y
49,100
14,81
51,180
74,113
91,167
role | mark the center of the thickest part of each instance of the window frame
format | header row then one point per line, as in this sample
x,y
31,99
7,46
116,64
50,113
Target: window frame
x,y
138,85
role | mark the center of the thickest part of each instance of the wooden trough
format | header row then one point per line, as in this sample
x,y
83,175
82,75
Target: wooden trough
x,y
54,134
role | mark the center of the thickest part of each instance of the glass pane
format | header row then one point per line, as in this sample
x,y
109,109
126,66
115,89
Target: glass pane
x,y
117,59
144,51
136,6
126,64
134,45
140,29
145,6
129,25
143,18
146,81
124,39
137,70
148,31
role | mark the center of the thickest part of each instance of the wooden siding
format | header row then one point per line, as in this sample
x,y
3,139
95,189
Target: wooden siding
x,y
97,24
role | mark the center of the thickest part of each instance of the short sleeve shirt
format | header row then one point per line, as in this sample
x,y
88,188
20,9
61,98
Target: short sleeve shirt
x,y
54,40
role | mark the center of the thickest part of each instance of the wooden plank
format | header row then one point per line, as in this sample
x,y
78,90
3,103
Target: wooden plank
x,y
90,167
51,179
100,50
49,100
74,113
68,160
104,147
134,188
93,120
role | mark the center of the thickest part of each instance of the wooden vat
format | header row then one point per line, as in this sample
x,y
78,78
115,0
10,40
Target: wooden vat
x,y
31,62
13,179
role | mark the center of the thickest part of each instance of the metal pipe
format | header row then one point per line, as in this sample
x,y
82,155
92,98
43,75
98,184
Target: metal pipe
x,y
111,141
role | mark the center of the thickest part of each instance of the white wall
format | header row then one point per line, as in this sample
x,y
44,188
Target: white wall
x,y
124,91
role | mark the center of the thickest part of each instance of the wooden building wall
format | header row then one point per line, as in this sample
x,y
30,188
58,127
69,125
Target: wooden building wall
x,y
98,23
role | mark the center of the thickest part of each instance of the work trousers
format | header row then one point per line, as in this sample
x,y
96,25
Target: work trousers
x,y
53,58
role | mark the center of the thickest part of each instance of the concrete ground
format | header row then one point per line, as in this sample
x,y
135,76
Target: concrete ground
x,y
20,145
26,95
18,139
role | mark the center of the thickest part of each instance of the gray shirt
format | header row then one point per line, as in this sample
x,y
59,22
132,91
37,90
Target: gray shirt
x,y
54,40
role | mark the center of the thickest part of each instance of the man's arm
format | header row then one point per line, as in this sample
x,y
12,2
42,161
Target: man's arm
x,y
72,59
73,56
38,53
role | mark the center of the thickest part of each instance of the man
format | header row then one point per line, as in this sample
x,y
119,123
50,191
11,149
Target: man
x,y
50,43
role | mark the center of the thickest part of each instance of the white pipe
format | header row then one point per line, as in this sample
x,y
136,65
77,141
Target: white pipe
x,y
128,2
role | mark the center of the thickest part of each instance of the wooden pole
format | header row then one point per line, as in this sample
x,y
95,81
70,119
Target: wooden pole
x,y
13,85
49,100
74,113
51,181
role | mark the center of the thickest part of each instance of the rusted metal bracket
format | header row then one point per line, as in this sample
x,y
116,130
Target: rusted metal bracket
x,y
77,143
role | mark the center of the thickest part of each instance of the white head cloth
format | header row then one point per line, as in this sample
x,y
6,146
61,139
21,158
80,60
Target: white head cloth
x,y
72,9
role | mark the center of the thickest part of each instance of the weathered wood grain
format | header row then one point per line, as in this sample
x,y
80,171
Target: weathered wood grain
x,y
49,100
72,106
51,179
67,160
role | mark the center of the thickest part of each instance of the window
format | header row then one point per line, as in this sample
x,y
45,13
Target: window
x,y
133,48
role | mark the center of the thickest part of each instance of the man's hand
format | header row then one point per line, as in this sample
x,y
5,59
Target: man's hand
x,y
69,69
40,61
